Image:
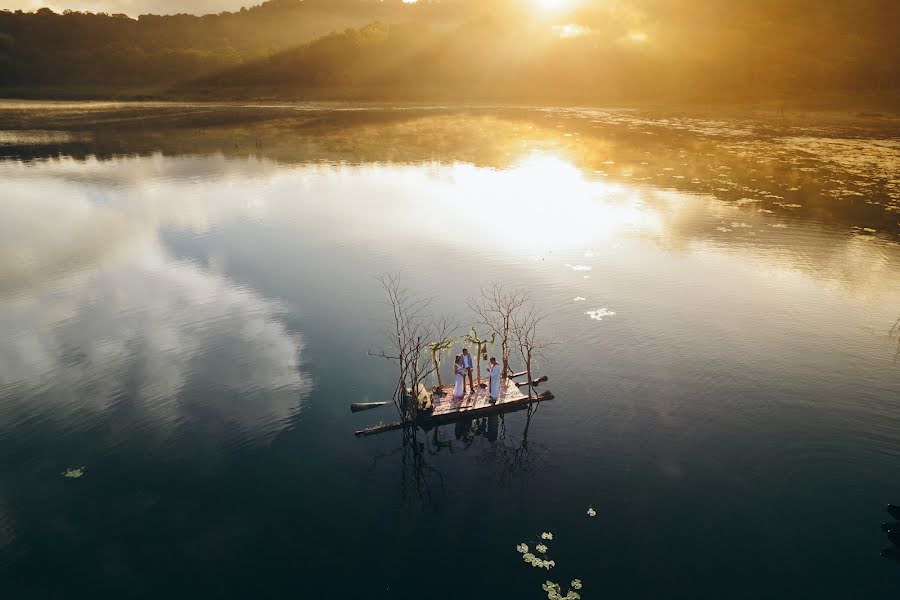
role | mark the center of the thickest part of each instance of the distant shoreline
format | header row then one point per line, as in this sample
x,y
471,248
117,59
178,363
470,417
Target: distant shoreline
x,y
864,104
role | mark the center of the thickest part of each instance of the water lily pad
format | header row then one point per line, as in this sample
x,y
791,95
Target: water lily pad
x,y
73,473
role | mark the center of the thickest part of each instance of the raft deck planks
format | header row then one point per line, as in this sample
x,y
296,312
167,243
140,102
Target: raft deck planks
x,y
473,402
447,409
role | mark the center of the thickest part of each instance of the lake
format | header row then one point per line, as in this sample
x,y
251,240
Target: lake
x,y
188,294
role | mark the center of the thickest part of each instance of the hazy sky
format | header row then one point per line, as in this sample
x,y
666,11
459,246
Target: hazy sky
x,y
132,7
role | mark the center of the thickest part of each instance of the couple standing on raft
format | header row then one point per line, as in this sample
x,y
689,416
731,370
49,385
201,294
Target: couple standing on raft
x,y
463,366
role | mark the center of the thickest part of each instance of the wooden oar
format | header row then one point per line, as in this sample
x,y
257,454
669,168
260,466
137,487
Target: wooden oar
x,y
360,406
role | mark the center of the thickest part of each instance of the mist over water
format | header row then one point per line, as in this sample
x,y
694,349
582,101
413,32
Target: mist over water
x,y
186,311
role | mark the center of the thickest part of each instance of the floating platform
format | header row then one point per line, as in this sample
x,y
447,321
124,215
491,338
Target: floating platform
x,y
447,409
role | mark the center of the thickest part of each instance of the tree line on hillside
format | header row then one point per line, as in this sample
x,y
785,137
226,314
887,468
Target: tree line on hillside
x,y
656,49
47,48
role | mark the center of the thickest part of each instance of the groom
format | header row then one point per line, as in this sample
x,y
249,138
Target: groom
x,y
467,363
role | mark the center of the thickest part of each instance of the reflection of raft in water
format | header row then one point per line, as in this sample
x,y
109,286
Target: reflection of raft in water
x,y
447,409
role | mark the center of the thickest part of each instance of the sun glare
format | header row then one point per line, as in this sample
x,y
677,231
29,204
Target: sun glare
x,y
553,5
582,211
637,36
570,30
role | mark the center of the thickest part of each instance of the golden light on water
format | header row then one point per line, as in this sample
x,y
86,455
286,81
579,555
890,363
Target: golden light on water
x,y
540,202
572,210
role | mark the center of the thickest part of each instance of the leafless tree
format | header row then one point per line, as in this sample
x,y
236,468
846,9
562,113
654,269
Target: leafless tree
x,y
528,342
495,308
445,329
408,334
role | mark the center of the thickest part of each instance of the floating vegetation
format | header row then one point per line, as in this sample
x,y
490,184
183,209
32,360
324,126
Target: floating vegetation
x,y
540,563
598,315
554,591
73,473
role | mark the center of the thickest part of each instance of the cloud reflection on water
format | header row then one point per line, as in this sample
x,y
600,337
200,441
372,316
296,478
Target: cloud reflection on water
x,y
98,316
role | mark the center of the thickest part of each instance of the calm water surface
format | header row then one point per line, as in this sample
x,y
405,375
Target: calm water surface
x,y
187,295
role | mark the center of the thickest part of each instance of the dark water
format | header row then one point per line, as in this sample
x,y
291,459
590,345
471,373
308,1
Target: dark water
x,y
187,295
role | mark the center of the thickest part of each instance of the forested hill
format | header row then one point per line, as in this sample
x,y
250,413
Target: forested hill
x,y
44,47
463,49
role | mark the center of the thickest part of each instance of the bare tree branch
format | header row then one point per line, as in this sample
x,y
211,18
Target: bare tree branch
x,y
495,308
411,335
445,329
529,345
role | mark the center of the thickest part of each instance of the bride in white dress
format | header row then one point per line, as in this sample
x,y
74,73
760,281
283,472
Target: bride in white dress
x,y
459,390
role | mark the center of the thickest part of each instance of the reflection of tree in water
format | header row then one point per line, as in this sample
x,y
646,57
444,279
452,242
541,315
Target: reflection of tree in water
x,y
417,475
511,454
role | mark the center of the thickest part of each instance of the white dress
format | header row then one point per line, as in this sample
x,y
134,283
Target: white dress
x,y
494,382
459,390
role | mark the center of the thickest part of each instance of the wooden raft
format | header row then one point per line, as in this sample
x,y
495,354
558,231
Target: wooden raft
x,y
447,409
